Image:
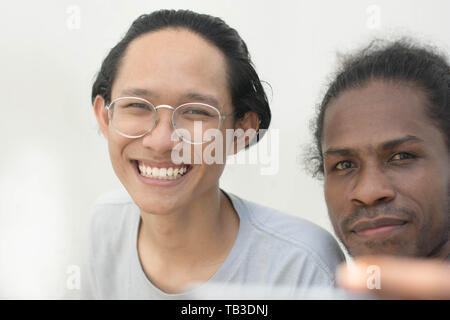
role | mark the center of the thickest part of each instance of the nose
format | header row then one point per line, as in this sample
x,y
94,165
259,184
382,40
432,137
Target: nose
x,y
372,187
159,138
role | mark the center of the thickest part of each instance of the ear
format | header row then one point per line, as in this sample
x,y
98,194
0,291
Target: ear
x,y
101,114
246,130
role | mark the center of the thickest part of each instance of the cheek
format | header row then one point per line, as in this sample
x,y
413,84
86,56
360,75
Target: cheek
x,y
214,156
425,186
425,190
208,162
115,147
335,200
216,151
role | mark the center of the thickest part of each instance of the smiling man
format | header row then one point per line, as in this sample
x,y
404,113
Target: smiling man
x,y
383,148
173,72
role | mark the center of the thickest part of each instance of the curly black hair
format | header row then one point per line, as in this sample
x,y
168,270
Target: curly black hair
x,y
402,60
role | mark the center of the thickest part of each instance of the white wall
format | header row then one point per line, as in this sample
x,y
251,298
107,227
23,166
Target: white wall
x,y
53,162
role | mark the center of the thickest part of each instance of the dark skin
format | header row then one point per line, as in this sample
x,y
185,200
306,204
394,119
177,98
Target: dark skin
x,y
387,173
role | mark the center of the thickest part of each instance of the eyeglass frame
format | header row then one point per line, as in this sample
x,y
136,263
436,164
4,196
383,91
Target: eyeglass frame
x,y
166,106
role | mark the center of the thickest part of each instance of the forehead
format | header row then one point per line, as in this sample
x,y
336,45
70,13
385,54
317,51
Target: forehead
x,y
378,112
171,61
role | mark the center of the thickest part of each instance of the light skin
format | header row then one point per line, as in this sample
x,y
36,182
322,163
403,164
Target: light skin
x,y
187,229
387,173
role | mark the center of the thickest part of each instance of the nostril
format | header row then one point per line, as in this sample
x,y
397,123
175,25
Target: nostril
x,y
358,202
383,199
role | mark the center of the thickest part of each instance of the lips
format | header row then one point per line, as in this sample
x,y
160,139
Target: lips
x,y
377,226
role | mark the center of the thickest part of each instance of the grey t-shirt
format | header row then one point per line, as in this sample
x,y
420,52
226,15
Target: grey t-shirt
x,y
271,250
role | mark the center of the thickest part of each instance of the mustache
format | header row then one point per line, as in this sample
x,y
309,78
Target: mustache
x,y
384,210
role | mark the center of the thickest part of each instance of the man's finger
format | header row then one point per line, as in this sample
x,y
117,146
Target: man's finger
x,y
400,278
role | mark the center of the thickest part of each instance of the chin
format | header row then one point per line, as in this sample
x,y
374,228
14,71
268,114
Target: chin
x,y
157,205
373,249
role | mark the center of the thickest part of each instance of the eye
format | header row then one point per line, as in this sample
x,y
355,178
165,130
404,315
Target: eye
x,y
197,112
343,165
137,105
402,156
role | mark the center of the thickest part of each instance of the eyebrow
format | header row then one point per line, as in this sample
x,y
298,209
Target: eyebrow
x,y
338,152
199,97
195,96
138,92
391,144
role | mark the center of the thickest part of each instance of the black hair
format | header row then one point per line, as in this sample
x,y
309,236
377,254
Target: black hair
x,y
401,60
245,86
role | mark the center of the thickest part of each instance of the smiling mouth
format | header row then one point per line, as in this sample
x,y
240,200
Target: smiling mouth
x,y
162,172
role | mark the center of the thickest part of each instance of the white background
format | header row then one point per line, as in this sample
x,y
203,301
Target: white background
x,y
53,162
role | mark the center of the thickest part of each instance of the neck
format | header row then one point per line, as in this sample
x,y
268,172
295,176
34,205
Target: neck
x,y
201,231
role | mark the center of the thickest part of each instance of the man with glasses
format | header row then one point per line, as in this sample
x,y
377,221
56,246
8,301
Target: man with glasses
x,y
169,90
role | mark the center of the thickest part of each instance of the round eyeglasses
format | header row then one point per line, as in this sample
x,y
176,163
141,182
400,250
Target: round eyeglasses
x,y
134,117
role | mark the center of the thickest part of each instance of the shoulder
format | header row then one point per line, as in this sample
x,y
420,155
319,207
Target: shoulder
x,y
113,197
112,218
111,204
306,239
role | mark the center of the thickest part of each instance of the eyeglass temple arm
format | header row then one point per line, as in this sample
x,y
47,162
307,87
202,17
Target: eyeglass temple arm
x,y
226,116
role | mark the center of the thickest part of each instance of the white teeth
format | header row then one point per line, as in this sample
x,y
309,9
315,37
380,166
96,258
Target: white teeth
x,y
161,173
